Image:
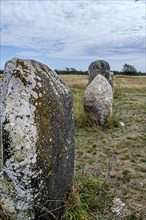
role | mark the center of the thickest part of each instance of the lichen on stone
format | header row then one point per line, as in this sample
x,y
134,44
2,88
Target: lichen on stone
x,y
98,99
38,138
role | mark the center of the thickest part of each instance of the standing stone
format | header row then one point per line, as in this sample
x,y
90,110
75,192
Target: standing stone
x,y
37,141
98,100
0,124
100,67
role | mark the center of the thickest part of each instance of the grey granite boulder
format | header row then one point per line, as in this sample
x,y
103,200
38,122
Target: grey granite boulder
x,y
37,141
98,98
100,67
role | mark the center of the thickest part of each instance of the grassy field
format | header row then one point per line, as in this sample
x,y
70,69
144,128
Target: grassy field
x,y
110,163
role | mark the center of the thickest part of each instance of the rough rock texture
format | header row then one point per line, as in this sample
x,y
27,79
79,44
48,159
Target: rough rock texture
x,y
3,214
100,67
98,100
0,123
37,141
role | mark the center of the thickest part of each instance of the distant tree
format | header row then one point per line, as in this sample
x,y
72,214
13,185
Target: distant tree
x,y
67,69
129,70
73,70
70,71
116,72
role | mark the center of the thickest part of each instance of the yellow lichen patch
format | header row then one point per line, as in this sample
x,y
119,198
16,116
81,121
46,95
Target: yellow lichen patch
x,y
49,174
3,214
18,74
62,150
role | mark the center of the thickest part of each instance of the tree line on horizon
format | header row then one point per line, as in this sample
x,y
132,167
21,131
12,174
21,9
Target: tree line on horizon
x,y
127,69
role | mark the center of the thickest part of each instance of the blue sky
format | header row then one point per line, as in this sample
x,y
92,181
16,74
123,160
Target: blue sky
x,y
73,33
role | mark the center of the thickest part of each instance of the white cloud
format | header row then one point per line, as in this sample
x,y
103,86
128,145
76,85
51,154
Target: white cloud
x,y
73,29
28,53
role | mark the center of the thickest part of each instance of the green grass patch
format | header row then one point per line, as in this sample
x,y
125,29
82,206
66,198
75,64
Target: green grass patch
x,y
114,150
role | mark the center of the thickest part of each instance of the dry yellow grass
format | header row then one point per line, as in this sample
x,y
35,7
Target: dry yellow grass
x,y
71,80
137,82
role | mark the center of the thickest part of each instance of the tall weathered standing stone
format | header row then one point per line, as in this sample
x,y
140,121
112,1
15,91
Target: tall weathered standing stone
x,y
98,100
37,141
0,123
100,67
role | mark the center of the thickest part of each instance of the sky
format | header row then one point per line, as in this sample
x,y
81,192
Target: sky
x,y
74,33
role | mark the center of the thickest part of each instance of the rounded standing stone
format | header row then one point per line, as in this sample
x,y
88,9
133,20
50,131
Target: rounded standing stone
x,y
37,141
100,67
98,98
